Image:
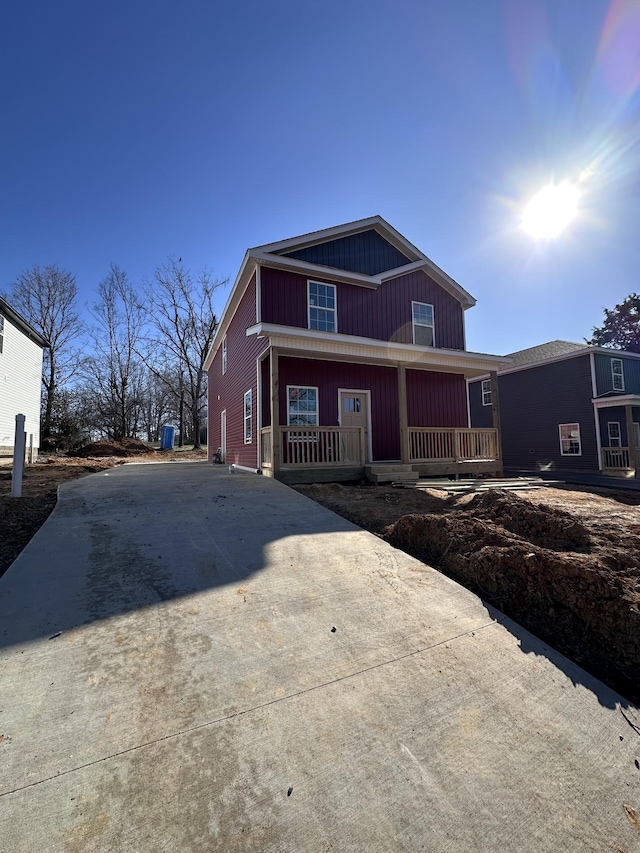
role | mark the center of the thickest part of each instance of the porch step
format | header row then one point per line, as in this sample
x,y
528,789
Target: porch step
x,y
391,474
464,486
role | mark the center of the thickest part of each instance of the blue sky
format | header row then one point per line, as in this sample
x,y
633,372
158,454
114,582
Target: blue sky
x,y
134,131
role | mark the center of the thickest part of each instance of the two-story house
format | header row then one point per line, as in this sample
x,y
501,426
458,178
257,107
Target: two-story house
x,y
566,406
342,351
21,348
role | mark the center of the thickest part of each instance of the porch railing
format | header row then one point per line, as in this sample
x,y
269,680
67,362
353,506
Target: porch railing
x,y
315,447
615,459
430,444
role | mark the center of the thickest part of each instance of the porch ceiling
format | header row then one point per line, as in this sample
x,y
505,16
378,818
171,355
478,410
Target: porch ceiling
x,y
307,343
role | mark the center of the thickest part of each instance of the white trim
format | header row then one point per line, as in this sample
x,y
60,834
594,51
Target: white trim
x,y
614,374
370,349
575,354
318,272
621,400
423,325
223,434
225,355
571,423
367,394
317,412
311,281
258,411
467,382
596,415
249,394
258,294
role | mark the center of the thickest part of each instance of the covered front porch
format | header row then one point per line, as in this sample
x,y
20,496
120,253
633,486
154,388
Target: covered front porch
x,y
618,420
329,414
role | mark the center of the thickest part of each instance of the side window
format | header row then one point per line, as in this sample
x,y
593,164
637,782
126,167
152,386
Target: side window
x,y
570,444
224,354
1,333
302,406
422,318
486,392
615,437
322,307
617,374
247,417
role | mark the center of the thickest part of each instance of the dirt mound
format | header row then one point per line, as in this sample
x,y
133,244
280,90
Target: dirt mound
x,y
540,524
517,556
105,447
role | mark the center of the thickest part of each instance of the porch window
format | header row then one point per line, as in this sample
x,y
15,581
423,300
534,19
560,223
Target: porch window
x,y
224,354
423,332
486,392
247,417
322,307
302,406
617,374
615,437
570,444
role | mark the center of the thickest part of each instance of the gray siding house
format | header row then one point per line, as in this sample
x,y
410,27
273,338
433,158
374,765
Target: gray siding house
x,y
566,406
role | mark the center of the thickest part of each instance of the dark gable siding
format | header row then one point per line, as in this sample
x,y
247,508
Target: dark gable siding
x,y
532,405
383,314
367,253
328,376
481,416
436,399
242,353
604,379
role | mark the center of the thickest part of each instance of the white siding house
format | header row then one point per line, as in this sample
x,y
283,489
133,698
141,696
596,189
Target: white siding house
x,y
20,378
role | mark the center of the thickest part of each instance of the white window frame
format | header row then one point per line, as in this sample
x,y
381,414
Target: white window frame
x,y
486,390
615,374
224,354
248,418
613,438
316,413
569,439
431,326
1,333
333,310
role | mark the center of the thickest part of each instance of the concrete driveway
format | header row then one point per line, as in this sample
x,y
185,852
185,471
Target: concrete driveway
x,y
192,660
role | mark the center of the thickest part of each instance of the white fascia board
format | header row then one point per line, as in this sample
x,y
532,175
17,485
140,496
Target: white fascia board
x,y
282,262
439,276
620,400
309,340
236,294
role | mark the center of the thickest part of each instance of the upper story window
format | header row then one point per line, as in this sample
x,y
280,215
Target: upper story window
x,y
570,444
617,374
486,392
1,332
247,417
224,354
423,332
322,307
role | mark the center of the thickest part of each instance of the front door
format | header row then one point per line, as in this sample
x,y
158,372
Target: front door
x,y
354,412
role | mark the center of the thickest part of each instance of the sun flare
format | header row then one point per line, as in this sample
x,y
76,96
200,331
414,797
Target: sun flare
x,y
550,211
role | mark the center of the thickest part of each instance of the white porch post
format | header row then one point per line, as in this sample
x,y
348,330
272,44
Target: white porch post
x,y
402,406
633,450
495,416
275,411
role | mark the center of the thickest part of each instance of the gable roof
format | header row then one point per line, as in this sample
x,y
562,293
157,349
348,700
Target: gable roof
x,y
299,255
19,322
542,352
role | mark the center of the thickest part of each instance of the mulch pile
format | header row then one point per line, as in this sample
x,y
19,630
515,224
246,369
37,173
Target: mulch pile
x,y
105,447
542,566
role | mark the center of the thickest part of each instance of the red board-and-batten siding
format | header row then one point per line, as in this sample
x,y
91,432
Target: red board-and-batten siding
x,y
383,313
433,399
240,376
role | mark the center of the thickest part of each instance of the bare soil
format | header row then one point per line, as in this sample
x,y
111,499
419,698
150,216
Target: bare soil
x,y
562,562
21,518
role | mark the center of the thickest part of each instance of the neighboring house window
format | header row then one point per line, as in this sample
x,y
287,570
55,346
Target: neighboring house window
x,y
422,324
302,406
486,392
617,374
247,417
615,437
322,307
224,354
570,444
1,333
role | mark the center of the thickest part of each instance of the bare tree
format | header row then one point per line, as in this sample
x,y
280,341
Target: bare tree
x,y
115,369
46,297
181,310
